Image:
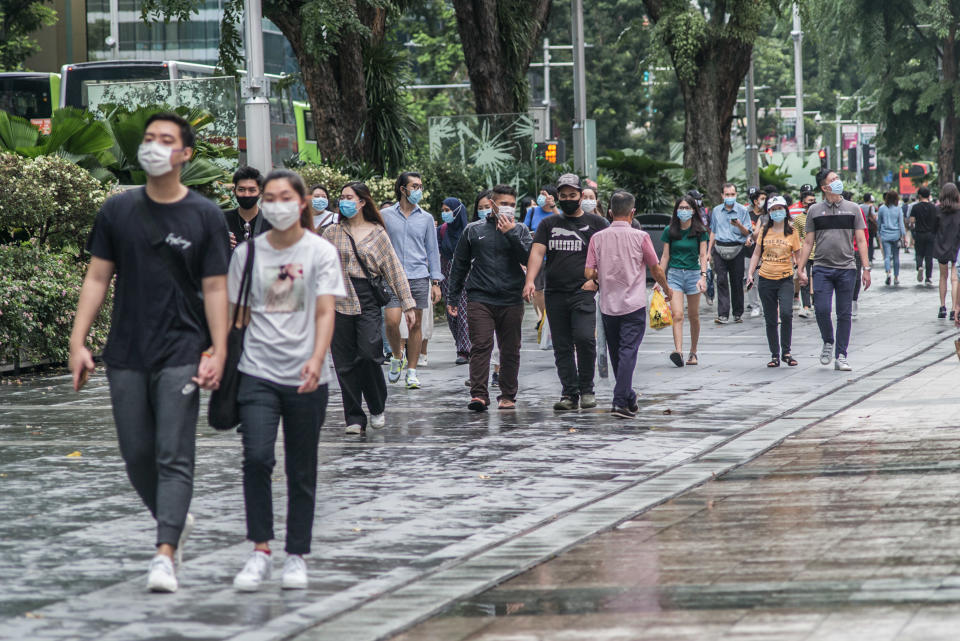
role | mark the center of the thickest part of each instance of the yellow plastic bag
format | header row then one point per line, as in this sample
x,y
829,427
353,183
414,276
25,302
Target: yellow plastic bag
x,y
660,314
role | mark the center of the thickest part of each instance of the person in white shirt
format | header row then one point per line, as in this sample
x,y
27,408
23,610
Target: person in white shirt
x,y
296,278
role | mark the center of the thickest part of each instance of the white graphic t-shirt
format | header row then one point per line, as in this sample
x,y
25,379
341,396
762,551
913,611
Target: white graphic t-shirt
x,y
286,284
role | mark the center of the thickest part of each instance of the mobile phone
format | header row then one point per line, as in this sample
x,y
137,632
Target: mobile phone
x,y
84,377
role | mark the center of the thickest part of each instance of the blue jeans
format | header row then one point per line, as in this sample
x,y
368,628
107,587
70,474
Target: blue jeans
x,y
262,404
624,334
826,281
891,252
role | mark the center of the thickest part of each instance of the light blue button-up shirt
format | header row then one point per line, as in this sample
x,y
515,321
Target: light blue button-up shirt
x,y
721,226
414,238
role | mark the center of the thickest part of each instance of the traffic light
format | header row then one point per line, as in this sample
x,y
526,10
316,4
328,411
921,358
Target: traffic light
x,y
551,151
870,157
824,158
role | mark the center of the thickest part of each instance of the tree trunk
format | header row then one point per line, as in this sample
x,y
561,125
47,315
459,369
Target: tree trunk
x,y
497,76
335,86
946,155
709,102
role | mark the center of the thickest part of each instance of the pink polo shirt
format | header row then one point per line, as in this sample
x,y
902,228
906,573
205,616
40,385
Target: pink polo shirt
x,y
621,255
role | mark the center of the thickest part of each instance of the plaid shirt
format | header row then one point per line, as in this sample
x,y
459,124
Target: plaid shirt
x,y
380,259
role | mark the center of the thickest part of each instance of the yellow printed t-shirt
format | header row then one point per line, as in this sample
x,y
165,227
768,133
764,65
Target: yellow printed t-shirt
x,y
776,254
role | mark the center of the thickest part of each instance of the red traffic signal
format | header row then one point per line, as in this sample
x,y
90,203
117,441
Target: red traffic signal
x,y
824,159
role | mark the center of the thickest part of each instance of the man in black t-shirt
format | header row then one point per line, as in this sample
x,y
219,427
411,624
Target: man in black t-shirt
x,y
569,296
924,220
166,245
245,221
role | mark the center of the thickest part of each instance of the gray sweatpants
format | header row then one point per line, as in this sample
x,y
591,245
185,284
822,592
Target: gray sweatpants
x,y
156,417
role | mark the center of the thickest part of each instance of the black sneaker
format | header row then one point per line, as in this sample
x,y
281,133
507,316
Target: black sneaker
x,y
951,314
635,408
566,404
495,381
622,412
942,313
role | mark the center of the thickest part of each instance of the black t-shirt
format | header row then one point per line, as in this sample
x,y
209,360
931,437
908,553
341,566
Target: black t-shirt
x,y
566,240
235,224
152,327
926,214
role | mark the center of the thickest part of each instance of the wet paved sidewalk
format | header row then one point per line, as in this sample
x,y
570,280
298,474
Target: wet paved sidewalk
x,y
849,530
439,505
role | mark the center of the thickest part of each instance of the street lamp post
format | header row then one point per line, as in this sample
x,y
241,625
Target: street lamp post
x,y
798,75
579,89
753,169
256,90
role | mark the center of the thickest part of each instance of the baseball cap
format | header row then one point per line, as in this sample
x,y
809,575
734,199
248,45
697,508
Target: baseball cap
x,y
569,180
806,187
776,200
752,192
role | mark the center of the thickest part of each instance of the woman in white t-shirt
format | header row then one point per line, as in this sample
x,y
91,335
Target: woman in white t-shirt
x,y
296,279
319,203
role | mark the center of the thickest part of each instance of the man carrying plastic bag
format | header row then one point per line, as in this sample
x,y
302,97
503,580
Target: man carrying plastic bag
x,y
618,257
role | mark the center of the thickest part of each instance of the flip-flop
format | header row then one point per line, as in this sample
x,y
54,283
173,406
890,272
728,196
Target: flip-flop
x,y
676,358
477,405
506,404
693,360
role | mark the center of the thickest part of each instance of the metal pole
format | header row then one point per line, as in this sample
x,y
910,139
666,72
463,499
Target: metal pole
x,y
546,83
750,149
256,92
115,28
859,147
798,75
839,160
579,88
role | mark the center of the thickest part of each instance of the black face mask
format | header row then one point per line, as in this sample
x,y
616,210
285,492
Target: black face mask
x,y
568,207
247,202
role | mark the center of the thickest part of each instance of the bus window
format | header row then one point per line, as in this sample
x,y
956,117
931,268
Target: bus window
x,y
27,96
310,132
77,78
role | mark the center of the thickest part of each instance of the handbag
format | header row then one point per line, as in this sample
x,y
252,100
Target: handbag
x,y
222,411
382,293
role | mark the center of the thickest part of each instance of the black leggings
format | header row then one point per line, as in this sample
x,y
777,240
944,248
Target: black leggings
x,y
776,294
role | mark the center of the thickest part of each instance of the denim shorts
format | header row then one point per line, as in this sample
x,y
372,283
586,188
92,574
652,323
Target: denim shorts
x,y
683,280
419,290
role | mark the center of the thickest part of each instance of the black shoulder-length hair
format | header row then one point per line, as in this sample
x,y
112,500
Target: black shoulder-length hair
x,y
787,227
696,224
486,193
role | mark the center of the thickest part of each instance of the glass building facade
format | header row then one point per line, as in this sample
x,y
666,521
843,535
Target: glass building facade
x,y
194,41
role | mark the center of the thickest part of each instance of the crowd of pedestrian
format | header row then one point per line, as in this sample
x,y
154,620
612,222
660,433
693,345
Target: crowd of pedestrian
x,y
307,279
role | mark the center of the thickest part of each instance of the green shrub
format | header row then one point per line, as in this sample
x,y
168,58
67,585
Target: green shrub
x,y
39,290
48,200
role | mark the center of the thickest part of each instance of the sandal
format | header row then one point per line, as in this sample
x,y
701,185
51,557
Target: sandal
x,y
477,404
693,359
506,404
789,360
676,358
774,362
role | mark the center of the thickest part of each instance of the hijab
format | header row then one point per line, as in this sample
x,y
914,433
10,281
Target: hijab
x,y
449,233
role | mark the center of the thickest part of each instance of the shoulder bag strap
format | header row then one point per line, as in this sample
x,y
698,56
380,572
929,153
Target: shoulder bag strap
x,y
363,266
246,284
175,262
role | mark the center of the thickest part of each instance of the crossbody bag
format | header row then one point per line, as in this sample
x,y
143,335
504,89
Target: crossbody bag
x,y
382,293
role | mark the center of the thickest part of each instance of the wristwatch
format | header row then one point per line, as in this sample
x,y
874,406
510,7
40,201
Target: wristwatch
x,y
867,268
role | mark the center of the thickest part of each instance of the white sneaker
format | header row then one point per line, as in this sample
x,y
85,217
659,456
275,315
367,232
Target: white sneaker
x,y
354,428
184,535
855,309
255,571
396,366
412,381
804,313
162,577
294,573
422,361
377,421
754,312
841,364
826,354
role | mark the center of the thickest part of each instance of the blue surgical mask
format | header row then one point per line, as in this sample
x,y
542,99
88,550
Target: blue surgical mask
x,y
836,187
483,213
415,196
684,214
320,204
541,200
777,215
447,216
730,202
348,208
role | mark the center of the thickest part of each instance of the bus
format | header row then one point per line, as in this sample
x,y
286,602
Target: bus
x,y
306,133
77,78
914,174
30,95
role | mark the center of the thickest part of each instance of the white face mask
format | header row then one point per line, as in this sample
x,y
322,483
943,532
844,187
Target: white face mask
x,y
588,206
155,158
507,211
282,215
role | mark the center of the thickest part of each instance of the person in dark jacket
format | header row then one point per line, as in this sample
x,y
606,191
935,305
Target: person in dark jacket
x,y
454,216
946,244
488,263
